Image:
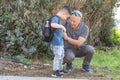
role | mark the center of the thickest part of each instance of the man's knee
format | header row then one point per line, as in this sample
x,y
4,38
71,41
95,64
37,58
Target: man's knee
x,y
90,49
69,56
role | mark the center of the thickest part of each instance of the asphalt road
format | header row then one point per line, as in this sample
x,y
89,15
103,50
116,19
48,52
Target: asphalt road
x,y
33,78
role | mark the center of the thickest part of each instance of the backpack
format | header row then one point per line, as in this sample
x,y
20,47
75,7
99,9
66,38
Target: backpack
x,y
48,31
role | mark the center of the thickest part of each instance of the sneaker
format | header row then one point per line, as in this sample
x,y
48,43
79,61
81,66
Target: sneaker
x,y
69,67
87,68
56,74
63,72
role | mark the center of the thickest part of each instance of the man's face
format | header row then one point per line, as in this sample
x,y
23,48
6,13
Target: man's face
x,y
75,20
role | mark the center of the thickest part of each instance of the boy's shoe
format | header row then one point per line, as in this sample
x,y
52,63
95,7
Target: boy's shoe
x,y
63,72
69,67
87,68
56,74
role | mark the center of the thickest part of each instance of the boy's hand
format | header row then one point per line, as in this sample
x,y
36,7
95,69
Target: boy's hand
x,y
65,36
63,28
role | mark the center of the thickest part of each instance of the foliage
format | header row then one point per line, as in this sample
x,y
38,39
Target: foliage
x,y
114,36
22,58
98,15
21,24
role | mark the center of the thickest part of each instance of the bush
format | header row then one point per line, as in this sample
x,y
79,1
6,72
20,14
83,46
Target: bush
x,y
21,24
115,36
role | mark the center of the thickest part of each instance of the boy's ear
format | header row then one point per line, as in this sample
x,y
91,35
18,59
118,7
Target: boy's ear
x,y
64,12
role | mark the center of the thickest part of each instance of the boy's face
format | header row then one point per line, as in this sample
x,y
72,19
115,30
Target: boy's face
x,y
65,16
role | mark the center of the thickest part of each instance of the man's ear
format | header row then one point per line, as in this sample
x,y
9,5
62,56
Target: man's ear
x,y
80,19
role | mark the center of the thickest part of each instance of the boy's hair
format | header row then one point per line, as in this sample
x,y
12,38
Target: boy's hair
x,y
69,10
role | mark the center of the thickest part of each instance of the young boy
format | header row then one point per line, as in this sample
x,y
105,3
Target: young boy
x,y
57,44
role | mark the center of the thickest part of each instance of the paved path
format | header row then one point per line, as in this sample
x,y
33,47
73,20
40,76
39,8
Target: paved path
x,y
33,78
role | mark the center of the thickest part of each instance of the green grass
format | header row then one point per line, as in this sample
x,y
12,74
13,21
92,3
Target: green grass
x,y
105,62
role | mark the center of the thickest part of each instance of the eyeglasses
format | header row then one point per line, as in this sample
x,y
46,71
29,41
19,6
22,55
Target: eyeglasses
x,y
76,14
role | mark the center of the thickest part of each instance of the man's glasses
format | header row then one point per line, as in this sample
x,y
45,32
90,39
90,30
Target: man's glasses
x,y
76,14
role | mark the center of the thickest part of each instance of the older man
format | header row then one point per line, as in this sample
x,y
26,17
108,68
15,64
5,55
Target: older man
x,y
75,36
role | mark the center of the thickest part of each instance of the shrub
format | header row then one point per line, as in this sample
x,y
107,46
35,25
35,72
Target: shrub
x,y
115,36
21,24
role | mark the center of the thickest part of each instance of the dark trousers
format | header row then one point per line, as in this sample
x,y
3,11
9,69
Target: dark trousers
x,y
86,51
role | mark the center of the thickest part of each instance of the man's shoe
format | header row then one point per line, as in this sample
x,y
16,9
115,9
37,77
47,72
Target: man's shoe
x,y
56,74
87,68
69,67
63,72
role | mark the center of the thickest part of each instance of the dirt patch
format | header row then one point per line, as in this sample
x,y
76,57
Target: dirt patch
x,y
45,70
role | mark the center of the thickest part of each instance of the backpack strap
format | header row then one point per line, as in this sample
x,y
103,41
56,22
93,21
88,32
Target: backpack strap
x,y
55,16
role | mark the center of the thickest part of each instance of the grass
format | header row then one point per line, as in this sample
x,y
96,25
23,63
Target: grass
x,y
105,62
